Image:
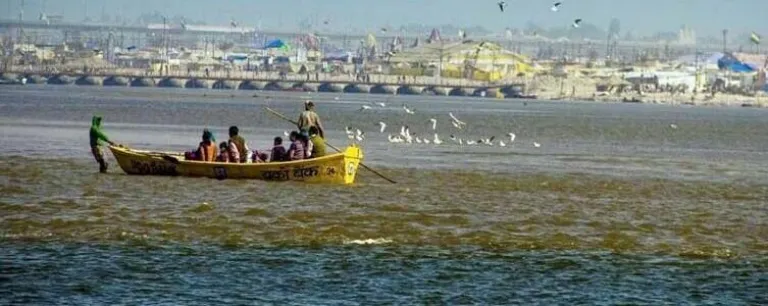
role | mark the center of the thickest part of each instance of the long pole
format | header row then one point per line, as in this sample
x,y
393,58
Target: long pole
x,y
281,116
21,23
725,40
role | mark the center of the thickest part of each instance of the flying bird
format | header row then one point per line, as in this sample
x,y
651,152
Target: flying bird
x,y
408,110
556,7
364,107
502,5
576,23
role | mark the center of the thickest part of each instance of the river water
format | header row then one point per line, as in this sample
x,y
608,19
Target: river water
x,y
620,204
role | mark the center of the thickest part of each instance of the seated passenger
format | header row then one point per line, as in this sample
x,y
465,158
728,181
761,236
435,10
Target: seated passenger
x,y
259,157
307,145
223,153
296,150
278,151
239,141
207,151
234,152
191,155
317,141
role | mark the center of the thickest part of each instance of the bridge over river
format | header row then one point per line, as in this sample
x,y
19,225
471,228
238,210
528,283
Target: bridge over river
x,y
245,80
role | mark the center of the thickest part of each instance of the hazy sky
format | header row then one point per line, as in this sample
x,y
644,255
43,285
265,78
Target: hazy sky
x,y
642,16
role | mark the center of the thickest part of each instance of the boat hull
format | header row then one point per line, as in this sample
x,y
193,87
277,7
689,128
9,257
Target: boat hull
x,y
340,168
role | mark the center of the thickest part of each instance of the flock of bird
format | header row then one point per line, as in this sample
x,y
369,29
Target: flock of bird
x,y
555,7
406,136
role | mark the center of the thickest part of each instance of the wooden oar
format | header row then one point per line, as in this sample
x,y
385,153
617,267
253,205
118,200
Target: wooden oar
x,y
281,116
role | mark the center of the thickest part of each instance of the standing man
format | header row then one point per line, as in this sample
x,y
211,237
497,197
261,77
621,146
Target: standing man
x,y
97,140
308,119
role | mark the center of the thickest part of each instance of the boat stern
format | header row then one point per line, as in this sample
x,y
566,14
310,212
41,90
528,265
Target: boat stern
x,y
353,155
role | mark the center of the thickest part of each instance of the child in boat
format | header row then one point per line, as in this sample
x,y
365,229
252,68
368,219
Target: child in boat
x,y
259,157
296,150
223,153
206,151
278,151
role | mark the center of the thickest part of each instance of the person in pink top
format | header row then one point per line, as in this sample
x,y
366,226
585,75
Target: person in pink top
x,y
296,150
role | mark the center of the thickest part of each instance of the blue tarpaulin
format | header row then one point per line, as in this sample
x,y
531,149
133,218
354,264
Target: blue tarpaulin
x,y
276,44
730,63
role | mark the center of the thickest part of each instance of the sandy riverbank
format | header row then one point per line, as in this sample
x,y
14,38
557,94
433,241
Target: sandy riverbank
x,y
583,89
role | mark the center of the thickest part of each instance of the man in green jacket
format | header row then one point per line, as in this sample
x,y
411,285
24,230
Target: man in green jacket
x,y
97,140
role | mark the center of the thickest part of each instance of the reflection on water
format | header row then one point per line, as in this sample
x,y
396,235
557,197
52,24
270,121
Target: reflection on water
x,y
614,205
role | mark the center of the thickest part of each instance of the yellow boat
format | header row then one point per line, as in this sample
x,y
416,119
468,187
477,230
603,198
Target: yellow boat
x,y
339,168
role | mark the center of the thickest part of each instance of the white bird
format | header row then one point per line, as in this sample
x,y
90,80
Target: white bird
x,y
418,140
459,122
425,140
673,126
394,139
456,125
437,140
403,131
365,107
382,104
358,132
286,133
460,142
536,144
350,133
556,7
502,144
382,126
434,123
408,110
469,142
453,138
336,98
487,141
360,136
512,137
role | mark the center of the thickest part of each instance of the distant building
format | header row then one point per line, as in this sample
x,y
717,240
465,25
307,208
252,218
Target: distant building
x,y
686,36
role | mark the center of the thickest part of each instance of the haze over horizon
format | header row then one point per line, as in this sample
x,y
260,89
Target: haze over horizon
x,y
706,17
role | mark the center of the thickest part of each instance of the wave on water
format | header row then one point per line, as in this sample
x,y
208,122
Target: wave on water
x,y
368,241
